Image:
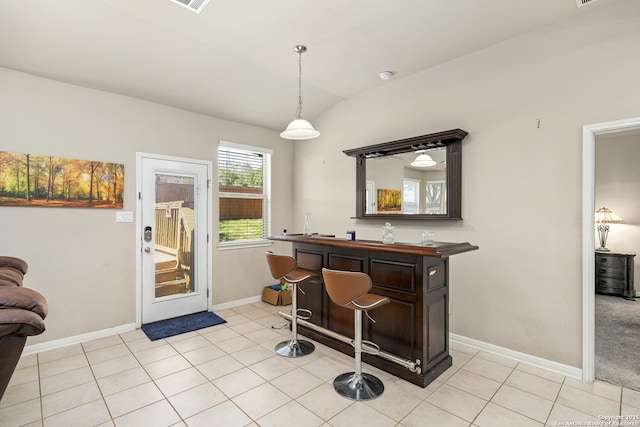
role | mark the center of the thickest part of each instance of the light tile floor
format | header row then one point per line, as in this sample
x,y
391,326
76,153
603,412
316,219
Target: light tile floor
x,y
228,375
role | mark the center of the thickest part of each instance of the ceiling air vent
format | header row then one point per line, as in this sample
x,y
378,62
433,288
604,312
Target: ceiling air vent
x,y
581,3
195,5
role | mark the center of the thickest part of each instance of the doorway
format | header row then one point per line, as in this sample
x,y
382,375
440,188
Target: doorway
x,y
174,217
589,133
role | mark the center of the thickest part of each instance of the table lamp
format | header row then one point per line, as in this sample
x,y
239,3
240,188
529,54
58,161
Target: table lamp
x,y
603,217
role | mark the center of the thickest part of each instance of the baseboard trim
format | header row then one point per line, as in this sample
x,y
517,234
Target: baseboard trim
x,y
77,339
549,365
236,303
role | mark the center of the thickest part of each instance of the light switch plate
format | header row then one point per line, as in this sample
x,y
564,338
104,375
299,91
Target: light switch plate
x,y
124,216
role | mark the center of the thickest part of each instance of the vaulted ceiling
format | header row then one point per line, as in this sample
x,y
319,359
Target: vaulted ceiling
x,y
235,60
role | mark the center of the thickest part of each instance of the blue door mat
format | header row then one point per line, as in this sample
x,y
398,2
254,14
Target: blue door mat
x,y
180,325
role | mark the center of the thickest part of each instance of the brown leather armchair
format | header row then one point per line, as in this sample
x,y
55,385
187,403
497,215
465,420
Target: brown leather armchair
x,y
22,313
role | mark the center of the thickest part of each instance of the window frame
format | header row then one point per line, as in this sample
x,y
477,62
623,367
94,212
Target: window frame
x,y
265,196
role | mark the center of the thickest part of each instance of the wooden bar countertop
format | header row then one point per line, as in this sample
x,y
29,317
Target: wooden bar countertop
x,y
438,250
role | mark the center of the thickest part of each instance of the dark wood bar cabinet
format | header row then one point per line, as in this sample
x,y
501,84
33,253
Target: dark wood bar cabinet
x,y
413,327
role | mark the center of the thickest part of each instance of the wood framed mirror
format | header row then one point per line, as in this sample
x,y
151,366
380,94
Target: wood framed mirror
x,y
395,180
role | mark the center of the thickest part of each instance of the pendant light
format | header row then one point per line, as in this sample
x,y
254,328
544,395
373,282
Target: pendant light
x,y
423,161
299,128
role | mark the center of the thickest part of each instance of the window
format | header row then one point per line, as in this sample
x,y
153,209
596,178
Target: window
x,y
410,195
436,197
244,184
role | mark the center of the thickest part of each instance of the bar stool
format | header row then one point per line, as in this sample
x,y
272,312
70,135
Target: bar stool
x,y
350,289
284,267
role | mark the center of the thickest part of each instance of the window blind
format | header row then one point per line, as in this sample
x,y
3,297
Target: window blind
x,y
244,192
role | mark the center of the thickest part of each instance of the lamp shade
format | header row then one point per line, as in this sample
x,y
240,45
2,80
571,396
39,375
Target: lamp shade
x,y
423,161
299,129
605,216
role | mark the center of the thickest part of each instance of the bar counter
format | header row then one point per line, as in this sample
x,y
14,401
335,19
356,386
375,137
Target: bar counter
x,y
413,330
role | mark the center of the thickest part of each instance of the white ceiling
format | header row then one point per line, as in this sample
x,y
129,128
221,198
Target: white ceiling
x,y
235,60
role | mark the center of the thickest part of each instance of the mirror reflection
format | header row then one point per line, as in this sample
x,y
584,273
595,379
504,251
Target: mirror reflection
x,y
416,178
407,183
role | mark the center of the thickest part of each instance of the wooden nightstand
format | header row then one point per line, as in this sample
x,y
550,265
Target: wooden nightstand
x,y
614,274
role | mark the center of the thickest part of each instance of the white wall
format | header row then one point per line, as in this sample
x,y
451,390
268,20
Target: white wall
x,y
617,187
521,182
81,260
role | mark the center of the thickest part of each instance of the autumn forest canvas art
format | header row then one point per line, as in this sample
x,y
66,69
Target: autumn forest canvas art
x,y
40,180
389,201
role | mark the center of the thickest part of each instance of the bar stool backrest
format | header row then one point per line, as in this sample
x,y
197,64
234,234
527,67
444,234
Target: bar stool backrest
x,y
345,286
280,265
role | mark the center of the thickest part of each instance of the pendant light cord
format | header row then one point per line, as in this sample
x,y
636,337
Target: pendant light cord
x,y
299,110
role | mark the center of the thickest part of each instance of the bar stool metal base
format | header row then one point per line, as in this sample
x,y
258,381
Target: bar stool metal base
x,y
296,348
358,387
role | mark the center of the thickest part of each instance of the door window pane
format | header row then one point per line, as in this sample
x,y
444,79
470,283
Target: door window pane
x,y
174,235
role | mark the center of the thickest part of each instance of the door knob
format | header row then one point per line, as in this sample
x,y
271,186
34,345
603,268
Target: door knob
x,y
147,250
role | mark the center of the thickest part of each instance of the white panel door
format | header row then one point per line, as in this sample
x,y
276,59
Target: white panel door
x,y
174,232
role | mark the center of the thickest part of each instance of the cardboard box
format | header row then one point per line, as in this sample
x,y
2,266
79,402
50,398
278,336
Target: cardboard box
x,y
276,297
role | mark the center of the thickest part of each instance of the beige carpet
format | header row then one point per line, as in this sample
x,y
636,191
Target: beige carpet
x,y
617,346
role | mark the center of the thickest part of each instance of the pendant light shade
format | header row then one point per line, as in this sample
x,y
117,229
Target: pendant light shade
x,y
299,128
423,161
